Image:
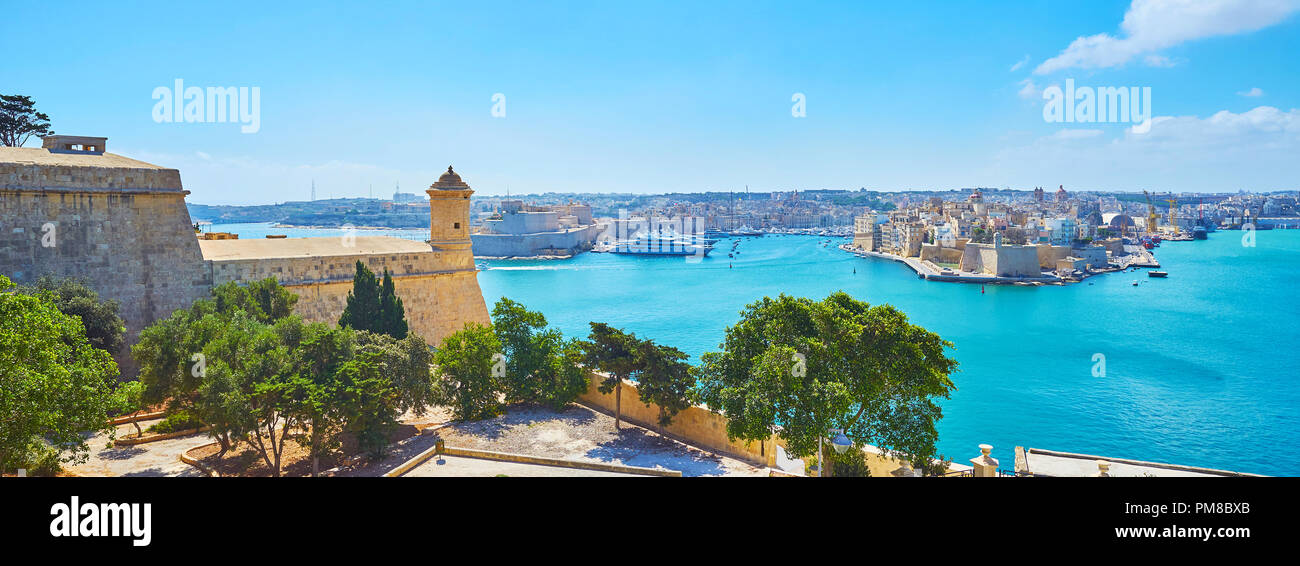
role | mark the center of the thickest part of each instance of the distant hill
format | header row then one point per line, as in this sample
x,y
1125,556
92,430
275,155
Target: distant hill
x,y
331,213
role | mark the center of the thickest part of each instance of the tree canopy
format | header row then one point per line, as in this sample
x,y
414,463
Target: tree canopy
x,y
541,365
665,379
615,352
72,296
802,367
373,305
243,364
19,120
54,386
470,373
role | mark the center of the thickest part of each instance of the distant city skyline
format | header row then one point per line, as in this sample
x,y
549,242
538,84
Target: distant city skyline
x,y
683,97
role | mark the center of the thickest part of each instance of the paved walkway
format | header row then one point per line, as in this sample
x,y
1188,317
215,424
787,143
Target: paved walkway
x,y
162,458
580,433
456,466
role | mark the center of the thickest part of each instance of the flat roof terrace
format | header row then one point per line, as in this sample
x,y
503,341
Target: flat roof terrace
x,y
43,156
231,250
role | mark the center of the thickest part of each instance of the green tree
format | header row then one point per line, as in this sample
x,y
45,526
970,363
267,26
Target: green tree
x,y
19,120
407,364
54,386
273,301
363,308
404,384
176,355
369,400
664,379
803,367
470,372
264,300
247,388
392,316
73,297
615,352
541,366
315,397
128,399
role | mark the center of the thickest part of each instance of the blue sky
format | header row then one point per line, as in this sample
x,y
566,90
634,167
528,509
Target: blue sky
x,y
691,96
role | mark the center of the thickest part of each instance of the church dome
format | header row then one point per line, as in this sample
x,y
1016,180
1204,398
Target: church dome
x,y
449,181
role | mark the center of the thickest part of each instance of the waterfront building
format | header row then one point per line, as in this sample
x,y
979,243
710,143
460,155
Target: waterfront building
x,y
1001,260
977,203
1062,231
521,230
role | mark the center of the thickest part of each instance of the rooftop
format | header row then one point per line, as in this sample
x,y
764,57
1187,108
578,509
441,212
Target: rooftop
x,y
43,156
225,250
449,181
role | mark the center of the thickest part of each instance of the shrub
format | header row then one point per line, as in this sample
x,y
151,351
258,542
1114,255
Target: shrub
x,y
176,422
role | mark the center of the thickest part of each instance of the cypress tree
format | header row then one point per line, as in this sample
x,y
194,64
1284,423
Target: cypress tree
x,y
391,313
363,309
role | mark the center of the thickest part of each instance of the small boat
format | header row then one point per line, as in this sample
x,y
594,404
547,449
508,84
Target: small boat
x,y
1135,283
1157,274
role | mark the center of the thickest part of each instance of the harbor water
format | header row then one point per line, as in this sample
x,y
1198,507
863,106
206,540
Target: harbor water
x,y
1199,368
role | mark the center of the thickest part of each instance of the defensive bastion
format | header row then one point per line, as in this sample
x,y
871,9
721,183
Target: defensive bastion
x,y
70,208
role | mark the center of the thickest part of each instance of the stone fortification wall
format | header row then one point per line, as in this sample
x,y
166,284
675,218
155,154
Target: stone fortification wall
x,y
125,230
1001,261
439,289
1048,256
528,245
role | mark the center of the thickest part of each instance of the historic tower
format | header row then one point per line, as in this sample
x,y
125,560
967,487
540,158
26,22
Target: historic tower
x,y
449,218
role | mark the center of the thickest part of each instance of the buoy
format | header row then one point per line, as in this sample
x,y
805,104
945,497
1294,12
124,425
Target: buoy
x,y
981,288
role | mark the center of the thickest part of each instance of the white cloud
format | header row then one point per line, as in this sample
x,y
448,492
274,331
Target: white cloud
x,y
1029,90
1157,61
1151,25
1227,151
1254,92
1019,64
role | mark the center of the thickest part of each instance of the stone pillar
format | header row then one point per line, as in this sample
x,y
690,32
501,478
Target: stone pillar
x,y
984,466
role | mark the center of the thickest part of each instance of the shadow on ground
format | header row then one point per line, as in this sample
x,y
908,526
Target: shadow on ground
x,y
638,447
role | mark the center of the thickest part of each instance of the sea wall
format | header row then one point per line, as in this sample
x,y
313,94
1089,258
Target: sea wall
x,y
1049,256
528,245
700,427
1002,261
937,254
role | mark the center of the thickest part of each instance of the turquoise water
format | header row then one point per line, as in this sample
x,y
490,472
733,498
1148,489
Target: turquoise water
x,y
1200,367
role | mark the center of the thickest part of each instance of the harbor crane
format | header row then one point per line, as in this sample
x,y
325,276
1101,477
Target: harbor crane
x,y
1173,221
1153,219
